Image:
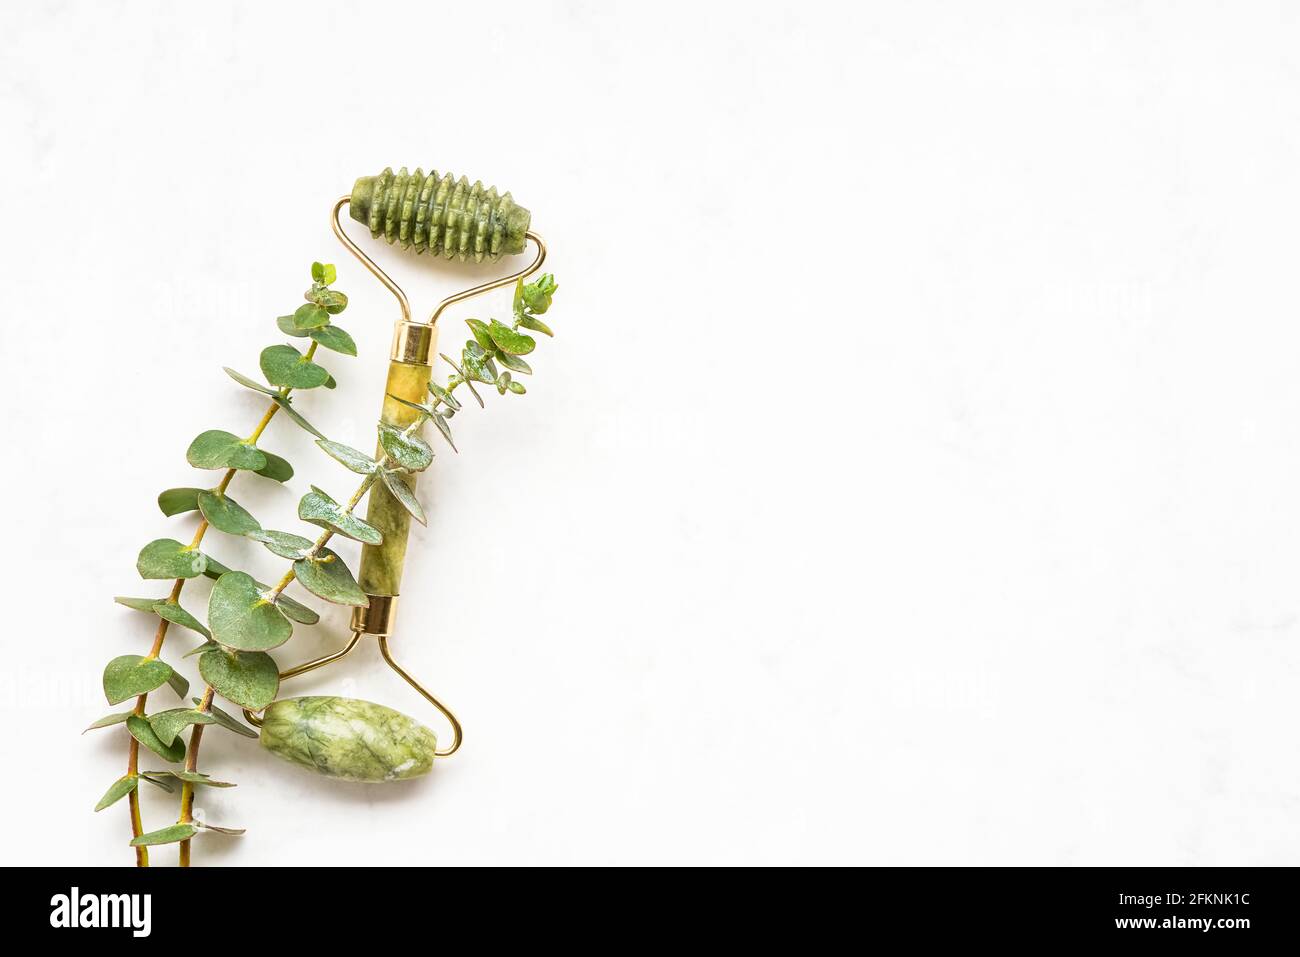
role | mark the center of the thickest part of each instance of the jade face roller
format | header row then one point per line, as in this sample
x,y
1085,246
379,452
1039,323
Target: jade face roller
x,y
338,737
448,217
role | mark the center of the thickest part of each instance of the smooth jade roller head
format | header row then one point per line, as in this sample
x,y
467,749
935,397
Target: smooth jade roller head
x,y
441,214
348,738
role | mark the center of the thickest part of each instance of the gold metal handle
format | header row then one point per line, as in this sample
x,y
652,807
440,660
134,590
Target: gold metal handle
x,y
457,734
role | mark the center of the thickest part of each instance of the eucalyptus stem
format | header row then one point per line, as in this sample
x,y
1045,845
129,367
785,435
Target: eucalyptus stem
x,y
196,735
133,755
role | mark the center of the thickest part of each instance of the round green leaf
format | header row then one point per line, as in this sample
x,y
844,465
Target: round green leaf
x,y
143,732
331,300
405,496
248,678
129,675
328,577
166,835
510,341
215,449
168,558
286,366
285,324
241,617
310,316
173,612
321,510
168,724
295,610
285,544
358,462
409,451
332,337
118,790
226,515
174,501
276,468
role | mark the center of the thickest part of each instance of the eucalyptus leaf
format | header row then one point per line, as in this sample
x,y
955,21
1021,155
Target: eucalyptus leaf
x,y
179,683
247,382
291,412
231,831
438,392
168,558
536,295
173,612
168,724
481,334
127,676
226,515
227,722
402,492
201,648
321,510
445,428
174,501
510,341
310,316
153,777
356,461
318,273
409,451
248,678
294,609
192,777
287,367
109,720
143,732
118,790
517,388
332,337
285,324
139,604
478,363
216,449
514,363
464,376
423,409
276,468
326,576
331,300
241,617
285,544
535,324
166,835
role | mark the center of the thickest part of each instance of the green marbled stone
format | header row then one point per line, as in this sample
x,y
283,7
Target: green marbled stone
x,y
348,738
440,214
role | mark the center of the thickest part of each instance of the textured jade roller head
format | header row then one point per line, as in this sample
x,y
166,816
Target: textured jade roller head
x,y
247,619
440,214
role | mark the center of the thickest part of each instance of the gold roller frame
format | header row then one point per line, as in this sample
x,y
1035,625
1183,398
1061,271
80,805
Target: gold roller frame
x,y
409,370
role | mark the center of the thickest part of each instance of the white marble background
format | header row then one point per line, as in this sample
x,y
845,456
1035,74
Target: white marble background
x,y
914,478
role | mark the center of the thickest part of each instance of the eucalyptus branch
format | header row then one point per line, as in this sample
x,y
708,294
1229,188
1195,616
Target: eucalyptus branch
x,y
128,674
